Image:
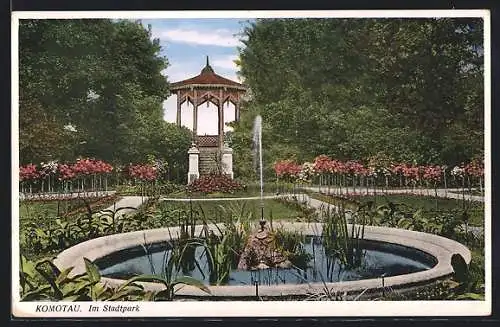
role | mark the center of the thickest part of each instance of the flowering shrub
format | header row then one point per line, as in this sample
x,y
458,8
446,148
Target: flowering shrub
x,y
432,173
215,183
287,169
28,172
58,176
321,164
307,172
143,172
458,171
376,167
65,172
91,166
475,168
48,168
412,173
355,168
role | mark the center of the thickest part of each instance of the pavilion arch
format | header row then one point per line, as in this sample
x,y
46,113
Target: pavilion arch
x,y
209,88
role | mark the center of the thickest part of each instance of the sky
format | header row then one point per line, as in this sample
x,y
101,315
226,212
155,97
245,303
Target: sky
x,y
186,43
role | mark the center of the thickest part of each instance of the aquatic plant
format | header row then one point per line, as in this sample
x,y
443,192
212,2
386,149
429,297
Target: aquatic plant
x,y
291,244
338,241
219,257
172,265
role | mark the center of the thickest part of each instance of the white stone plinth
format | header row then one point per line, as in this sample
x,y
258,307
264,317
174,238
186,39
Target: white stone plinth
x,y
194,172
227,161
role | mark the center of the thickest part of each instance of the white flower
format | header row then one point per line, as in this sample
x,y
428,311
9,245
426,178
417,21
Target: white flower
x,y
457,171
69,128
91,95
50,166
308,169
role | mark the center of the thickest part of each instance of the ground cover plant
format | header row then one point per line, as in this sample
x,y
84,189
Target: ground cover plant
x,y
251,189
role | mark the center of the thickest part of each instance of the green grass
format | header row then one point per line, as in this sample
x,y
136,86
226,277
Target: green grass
x,y
419,201
252,190
242,194
218,210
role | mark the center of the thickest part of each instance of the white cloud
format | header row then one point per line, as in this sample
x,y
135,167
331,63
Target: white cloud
x,y
226,62
179,72
218,37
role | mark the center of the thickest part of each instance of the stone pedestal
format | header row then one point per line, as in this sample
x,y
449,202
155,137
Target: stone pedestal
x,y
261,252
193,172
227,161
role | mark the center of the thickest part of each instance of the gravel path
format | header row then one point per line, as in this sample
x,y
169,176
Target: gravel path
x,y
128,202
444,193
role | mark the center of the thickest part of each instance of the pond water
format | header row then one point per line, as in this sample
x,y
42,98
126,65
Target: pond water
x,y
378,259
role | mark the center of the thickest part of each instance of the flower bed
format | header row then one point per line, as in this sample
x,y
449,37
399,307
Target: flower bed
x,y
380,172
215,183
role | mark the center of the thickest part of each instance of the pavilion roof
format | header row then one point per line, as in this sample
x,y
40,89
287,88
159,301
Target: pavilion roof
x,y
207,78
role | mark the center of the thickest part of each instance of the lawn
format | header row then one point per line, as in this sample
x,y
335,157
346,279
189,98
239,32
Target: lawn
x,y
252,190
219,210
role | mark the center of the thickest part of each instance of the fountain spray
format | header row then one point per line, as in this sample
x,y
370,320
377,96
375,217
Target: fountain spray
x,y
257,152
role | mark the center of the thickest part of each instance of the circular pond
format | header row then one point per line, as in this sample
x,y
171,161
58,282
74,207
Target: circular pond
x,y
378,258
406,258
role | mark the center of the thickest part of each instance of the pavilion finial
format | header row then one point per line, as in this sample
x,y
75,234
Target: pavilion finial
x,y
207,69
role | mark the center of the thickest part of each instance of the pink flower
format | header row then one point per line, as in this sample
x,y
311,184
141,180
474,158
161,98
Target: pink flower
x,y
28,172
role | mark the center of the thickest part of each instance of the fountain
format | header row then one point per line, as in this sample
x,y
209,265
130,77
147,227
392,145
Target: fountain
x,y
257,157
261,251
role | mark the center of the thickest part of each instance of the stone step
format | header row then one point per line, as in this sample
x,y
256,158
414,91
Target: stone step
x,y
207,160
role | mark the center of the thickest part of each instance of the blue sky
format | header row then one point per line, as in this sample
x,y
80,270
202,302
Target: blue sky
x,y
186,43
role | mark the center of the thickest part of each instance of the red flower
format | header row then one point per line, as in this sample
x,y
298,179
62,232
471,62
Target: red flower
x,y
432,173
144,172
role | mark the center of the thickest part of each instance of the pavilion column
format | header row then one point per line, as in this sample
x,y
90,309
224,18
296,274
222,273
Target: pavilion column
x,y
178,108
221,122
195,114
237,111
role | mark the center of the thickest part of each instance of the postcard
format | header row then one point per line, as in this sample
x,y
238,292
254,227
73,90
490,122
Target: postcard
x,y
294,163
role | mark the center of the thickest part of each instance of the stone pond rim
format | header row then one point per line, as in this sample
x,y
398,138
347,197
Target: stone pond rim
x,y
441,248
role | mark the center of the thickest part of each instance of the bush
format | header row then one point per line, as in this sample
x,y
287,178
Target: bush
x,y
215,183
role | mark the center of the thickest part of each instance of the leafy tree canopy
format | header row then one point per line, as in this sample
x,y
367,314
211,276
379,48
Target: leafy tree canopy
x,y
411,89
103,78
